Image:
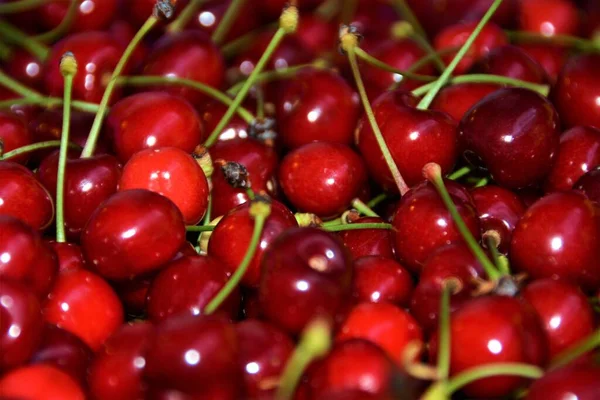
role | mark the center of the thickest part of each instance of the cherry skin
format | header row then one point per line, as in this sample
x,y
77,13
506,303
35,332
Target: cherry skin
x,y
188,284
307,273
24,197
147,120
116,372
316,33
317,105
231,237
88,182
20,324
179,55
379,279
25,258
322,178
133,232
14,134
558,237
550,57
92,15
576,92
211,112
579,381
565,312
69,255
368,242
422,223
271,9
589,184
553,17
25,68
384,324
34,382
374,20
457,99
414,138
264,352
84,304
137,13
578,153
512,62
514,134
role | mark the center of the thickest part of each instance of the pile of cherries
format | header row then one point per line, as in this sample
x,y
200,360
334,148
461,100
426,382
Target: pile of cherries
x,y
327,199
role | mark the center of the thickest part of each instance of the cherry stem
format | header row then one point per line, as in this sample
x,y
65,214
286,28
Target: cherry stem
x,y
185,16
198,228
5,51
459,173
68,69
314,343
166,80
288,23
13,35
492,239
16,7
433,174
562,40
485,78
374,202
63,27
409,16
577,350
424,61
206,219
363,55
425,45
232,12
50,102
443,360
16,86
362,208
482,182
230,49
328,9
350,46
90,144
348,11
260,209
426,101
356,226
36,146
489,370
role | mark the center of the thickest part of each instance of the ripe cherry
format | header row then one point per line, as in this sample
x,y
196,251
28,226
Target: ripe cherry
x,y
589,184
513,62
457,99
549,17
34,382
316,33
92,15
575,380
379,279
368,242
25,68
69,255
211,112
550,57
14,133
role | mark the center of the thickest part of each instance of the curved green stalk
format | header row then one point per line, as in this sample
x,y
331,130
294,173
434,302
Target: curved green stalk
x,y
61,28
353,227
36,146
19,6
486,78
363,55
13,35
362,208
486,371
184,17
232,12
576,350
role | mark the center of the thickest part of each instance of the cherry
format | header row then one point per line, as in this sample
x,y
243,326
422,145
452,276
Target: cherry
x,y
85,305
318,171
374,20
34,382
25,258
264,352
306,273
379,279
92,15
64,351
97,51
565,313
368,242
179,55
137,13
316,33
414,137
589,184
558,237
317,105
578,381
70,256
514,134
22,196
491,37
513,62
20,324
550,57
578,153
231,237
211,112
25,68
187,285
147,120
553,17
457,99
116,372
196,355
422,223
384,324
576,92
133,232
270,9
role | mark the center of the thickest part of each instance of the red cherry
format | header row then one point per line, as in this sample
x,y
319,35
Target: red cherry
x,y
22,196
374,20
316,33
457,99
589,184
550,57
211,112
133,232
378,279
84,304
92,15
25,68
549,17
138,12
558,237
35,382
368,242
577,381
513,62
271,9
70,256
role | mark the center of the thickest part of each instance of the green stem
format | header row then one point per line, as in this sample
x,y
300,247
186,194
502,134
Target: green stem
x,y
348,11
492,245
563,40
426,101
354,227
459,173
235,46
485,78
232,12
5,51
165,80
490,370
13,35
19,6
49,102
36,146
421,62
576,350
425,45
374,202
482,182
405,11
16,86
363,55
63,27
184,17
443,361
362,208
328,9
199,228
206,219
90,145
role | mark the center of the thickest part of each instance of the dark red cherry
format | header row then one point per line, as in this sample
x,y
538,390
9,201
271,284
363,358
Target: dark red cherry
x,y
550,57
25,68
24,197
65,351
264,352
387,325
117,370
491,37
231,237
317,105
576,381
379,279
148,120
69,255
514,134
211,112
307,273
34,382
422,223
97,54
579,152
414,138
84,304
368,242
589,184
188,284
513,62
549,17
577,90
189,55
457,99
322,178
374,20
133,293
558,238
20,324
194,354
92,15
316,33
565,312
271,9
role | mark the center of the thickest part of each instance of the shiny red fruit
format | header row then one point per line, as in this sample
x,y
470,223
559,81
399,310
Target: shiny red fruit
x,y
70,256
379,279
549,17
512,62
576,381
35,382
92,15
14,133
589,184
457,99
368,242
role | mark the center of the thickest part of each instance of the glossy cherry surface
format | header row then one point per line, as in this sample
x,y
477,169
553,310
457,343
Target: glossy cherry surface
x,y
513,62
457,99
316,33
368,242
92,15
577,381
550,57
14,133
34,382
589,184
211,112
379,279
25,68
69,255
549,17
